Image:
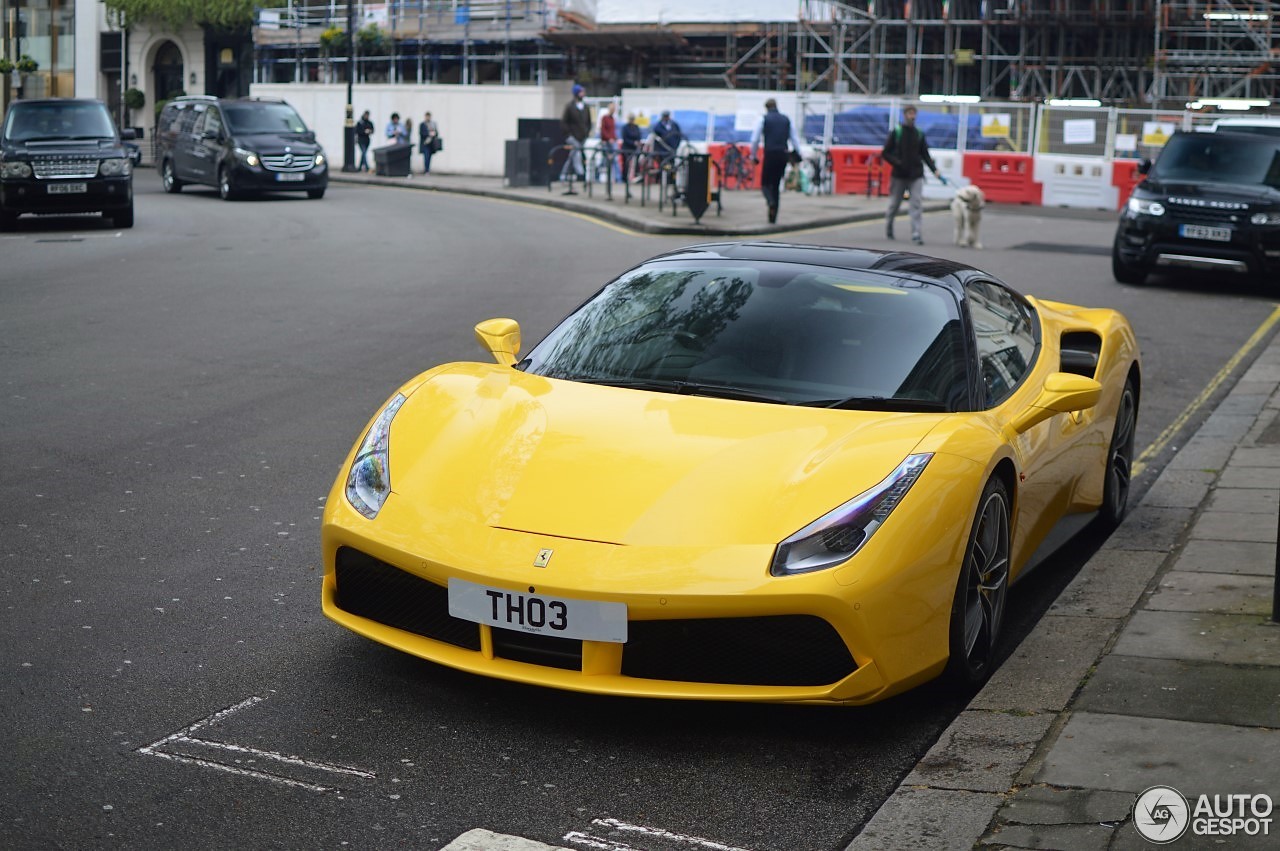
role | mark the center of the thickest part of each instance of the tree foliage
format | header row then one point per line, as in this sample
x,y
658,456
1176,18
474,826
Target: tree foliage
x,y
231,14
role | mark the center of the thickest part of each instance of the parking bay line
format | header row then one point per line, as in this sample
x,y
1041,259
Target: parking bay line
x,y
182,747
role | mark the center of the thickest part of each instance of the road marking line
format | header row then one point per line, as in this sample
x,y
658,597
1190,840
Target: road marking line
x,y
184,736
1158,445
649,832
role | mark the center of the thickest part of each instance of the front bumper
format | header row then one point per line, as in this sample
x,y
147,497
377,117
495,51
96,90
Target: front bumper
x,y
1156,242
33,195
247,178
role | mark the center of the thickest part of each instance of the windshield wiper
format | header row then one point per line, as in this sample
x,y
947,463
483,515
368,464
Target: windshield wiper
x,y
880,403
689,388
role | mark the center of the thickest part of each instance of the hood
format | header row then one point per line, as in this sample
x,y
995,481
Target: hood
x,y
275,143
489,445
1208,193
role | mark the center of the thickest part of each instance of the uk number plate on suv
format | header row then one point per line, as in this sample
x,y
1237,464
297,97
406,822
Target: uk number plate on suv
x,y
68,188
1202,232
561,617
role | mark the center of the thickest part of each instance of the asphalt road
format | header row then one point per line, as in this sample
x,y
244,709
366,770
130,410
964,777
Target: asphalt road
x,y
176,401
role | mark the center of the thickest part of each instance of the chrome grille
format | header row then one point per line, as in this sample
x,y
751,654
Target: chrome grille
x,y
47,169
288,162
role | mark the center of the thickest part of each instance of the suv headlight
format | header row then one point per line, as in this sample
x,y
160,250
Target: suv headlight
x,y
319,160
369,479
1146,207
835,537
15,169
1265,218
114,167
248,157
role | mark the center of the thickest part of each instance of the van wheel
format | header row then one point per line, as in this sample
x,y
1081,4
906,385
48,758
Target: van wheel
x,y
168,178
225,189
123,218
977,611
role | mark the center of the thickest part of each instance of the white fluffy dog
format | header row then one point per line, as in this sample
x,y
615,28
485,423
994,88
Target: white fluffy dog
x,y
966,208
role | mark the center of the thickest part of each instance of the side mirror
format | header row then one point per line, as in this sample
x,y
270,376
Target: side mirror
x,y
1063,393
1144,166
128,133
501,337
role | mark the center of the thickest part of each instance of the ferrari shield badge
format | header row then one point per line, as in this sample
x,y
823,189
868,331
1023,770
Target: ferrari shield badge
x,y
544,557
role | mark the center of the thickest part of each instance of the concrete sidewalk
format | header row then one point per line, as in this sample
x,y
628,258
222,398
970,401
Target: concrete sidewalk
x,y
743,211
1158,666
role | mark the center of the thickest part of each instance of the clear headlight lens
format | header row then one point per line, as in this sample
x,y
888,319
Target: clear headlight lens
x,y
1265,218
369,480
834,538
15,169
249,157
319,159
114,167
1146,207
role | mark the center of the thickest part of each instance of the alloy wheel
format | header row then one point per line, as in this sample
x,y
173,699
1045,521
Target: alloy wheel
x,y
986,581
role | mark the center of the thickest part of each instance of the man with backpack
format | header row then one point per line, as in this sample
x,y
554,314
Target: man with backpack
x,y
906,151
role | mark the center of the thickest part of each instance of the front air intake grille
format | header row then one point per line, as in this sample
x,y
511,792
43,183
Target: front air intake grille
x,y
62,167
546,650
779,650
288,162
381,592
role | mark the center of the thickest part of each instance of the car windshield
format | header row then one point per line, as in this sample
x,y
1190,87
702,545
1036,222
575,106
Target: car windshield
x,y
1218,158
772,332
30,122
263,118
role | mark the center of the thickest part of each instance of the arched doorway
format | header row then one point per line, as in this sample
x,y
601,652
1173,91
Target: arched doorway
x,y
167,70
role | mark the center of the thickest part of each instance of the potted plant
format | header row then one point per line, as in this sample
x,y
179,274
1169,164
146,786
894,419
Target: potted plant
x,y
27,65
6,66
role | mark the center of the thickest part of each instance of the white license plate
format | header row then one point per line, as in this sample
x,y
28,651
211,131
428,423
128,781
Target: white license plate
x,y
290,177
1202,232
68,188
562,617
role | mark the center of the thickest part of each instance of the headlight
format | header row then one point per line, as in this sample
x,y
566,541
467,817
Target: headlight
x,y
16,169
114,168
369,480
836,537
319,159
249,157
1146,207
1265,218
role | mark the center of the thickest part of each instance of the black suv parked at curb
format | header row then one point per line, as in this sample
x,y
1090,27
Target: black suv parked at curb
x,y
239,146
1210,203
64,156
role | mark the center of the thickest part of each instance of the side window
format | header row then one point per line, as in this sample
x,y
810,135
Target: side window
x,y
198,127
186,119
1006,332
213,122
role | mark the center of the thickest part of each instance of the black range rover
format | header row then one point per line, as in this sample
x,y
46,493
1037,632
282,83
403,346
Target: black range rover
x,y
1210,203
64,156
242,146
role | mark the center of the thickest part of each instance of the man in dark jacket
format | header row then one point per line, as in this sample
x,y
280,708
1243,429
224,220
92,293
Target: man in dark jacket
x,y
906,151
576,123
775,131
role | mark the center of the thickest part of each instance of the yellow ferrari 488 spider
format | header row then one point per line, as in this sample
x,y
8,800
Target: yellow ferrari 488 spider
x,y
741,471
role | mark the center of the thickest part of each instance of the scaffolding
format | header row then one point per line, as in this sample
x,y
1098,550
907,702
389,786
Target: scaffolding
x,y
1121,52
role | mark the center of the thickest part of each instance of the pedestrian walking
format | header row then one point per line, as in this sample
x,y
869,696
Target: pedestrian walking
x,y
907,152
576,124
364,135
775,132
609,138
428,141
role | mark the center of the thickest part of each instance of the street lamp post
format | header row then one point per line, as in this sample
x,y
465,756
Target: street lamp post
x,y
349,128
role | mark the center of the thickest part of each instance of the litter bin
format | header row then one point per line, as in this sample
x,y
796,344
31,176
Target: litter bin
x,y
393,160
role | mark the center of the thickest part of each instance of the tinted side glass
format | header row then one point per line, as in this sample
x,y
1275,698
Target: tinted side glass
x,y
186,119
1007,338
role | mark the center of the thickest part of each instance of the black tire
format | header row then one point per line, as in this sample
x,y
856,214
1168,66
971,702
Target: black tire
x,y
977,610
1119,475
225,188
316,194
8,220
123,218
168,179
1126,273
